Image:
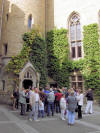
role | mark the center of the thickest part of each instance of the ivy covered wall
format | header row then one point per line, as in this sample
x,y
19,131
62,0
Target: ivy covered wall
x,y
34,49
58,56
59,65
91,69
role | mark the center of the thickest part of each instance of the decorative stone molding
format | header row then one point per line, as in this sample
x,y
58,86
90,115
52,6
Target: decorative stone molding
x,y
34,77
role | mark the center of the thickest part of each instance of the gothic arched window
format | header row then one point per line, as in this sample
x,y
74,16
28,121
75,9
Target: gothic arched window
x,y
75,36
28,75
30,21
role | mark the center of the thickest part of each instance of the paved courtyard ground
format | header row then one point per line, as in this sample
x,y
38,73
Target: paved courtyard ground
x,y
12,122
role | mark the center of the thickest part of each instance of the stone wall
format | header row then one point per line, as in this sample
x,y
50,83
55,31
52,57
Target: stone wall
x,y
49,14
17,24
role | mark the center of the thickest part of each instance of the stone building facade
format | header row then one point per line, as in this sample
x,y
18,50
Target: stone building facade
x,y
19,16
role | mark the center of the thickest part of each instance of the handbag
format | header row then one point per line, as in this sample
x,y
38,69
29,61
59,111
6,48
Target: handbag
x,y
12,97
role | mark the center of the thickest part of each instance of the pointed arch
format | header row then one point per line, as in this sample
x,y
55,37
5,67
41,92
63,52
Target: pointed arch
x,y
29,73
72,14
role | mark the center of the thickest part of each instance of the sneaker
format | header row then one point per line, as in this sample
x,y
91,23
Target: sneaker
x,y
37,120
63,119
30,119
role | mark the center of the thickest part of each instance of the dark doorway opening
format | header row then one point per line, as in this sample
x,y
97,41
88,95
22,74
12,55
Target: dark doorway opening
x,y
54,85
27,83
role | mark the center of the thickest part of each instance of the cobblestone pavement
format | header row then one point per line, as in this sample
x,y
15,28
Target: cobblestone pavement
x,y
12,122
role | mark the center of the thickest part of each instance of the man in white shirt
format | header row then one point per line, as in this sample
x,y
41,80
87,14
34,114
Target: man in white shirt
x,y
34,102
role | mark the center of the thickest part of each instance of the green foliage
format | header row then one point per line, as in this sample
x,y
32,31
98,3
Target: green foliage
x,y
34,49
18,62
38,57
57,50
91,69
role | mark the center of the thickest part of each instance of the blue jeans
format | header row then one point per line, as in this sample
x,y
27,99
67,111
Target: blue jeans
x,y
71,117
41,113
50,108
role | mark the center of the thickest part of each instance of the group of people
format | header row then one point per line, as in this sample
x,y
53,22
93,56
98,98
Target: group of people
x,y
46,102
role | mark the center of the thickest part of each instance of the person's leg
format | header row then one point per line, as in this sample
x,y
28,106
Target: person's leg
x,y
39,115
79,112
59,107
42,113
62,114
52,107
17,103
69,117
36,111
66,113
21,109
48,109
87,107
32,112
91,107
14,103
72,118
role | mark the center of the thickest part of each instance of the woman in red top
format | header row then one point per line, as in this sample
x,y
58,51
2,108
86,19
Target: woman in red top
x,y
58,96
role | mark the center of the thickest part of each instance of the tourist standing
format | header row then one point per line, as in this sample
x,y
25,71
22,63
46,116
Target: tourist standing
x,y
72,103
28,100
15,98
22,100
50,99
41,108
58,95
80,98
34,102
89,106
63,106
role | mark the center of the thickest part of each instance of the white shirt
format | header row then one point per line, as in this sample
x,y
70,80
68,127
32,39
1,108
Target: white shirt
x,y
80,99
63,103
41,106
36,97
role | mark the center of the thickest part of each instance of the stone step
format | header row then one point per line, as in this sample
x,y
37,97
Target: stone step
x,y
4,92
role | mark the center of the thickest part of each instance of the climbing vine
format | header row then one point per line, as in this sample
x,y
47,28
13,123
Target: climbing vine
x,y
91,70
58,60
34,49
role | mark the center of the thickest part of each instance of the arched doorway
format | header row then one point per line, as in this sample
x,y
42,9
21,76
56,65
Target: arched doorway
x,y
27,83
29,77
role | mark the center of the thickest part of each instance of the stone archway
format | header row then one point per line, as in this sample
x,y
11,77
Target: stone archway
x,y
29,76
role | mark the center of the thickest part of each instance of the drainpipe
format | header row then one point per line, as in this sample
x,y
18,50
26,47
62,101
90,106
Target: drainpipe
x,y
45,16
